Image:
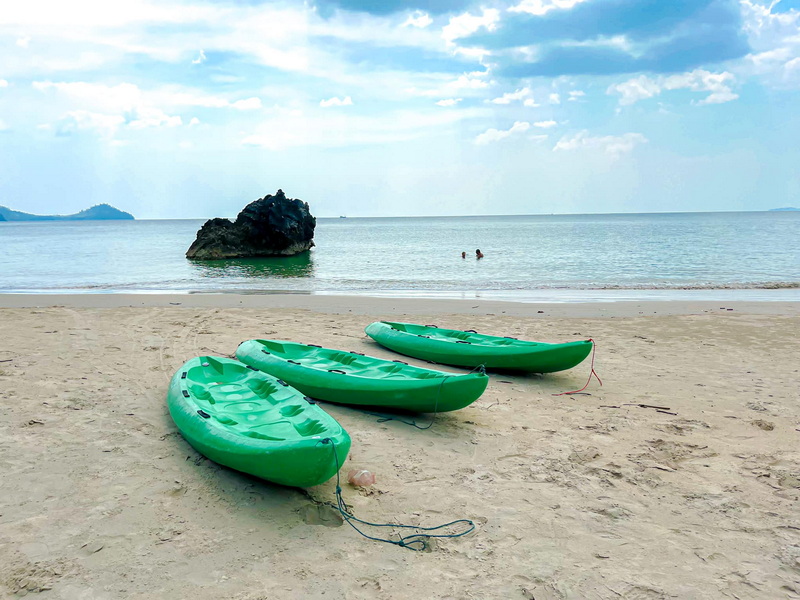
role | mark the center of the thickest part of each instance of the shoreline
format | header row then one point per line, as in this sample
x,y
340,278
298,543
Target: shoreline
x,y
361,304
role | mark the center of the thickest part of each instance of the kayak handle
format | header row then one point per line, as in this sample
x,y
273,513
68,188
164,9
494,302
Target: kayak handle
x,y
183,375
264,351
203,414
336,371
462,342
294,362
359,353
313,346
309,400
400,361
434,326
282,382
185,394
508,337
470,331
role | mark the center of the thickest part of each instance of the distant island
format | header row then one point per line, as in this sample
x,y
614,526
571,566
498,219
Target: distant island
x,y
101,212
783,209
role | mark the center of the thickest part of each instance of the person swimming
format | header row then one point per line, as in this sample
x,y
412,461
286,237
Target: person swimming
x,y
478,253
463,255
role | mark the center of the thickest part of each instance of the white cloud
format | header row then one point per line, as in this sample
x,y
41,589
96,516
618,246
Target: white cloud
x,y
636,89
454,87
341,128
3,83
576,94
530,103
699,80
201,58
510,97
418,19
127,96
449,102
248,104
542,7
775,40
335,101
554,98
153,117
3,125
105,125
495,135
194,121
466,24
609,144
23,41
545,124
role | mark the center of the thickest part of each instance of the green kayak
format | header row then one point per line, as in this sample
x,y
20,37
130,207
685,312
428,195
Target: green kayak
x,y
470,349
352,378
255,423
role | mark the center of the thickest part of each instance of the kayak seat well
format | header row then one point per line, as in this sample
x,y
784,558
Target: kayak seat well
x,y
459,335
309,427
262,388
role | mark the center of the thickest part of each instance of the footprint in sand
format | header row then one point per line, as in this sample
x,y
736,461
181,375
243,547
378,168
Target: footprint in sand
x,y
321,514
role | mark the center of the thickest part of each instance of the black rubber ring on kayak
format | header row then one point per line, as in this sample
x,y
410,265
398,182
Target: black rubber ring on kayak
x,y
313,346
203,414
309,400
294,362
183,375
470,331
434,326
508,337
400,361
462,342
251,368
282,382
264,351
359,353
336,371
185,394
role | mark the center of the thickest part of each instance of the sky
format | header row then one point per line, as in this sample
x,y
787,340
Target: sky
x,y
191,109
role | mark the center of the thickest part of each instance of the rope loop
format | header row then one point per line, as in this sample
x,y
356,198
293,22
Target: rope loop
x,y
592,373
414,541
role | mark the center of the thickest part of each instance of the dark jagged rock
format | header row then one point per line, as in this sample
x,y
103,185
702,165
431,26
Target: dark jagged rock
x,y
271,226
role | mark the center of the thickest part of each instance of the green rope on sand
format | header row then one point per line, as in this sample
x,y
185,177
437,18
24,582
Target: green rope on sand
x,y
415,541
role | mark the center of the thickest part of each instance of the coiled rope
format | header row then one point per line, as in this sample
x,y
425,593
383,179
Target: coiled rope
x,y
414,541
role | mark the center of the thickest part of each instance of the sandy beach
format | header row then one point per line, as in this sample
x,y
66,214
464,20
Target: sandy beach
x,y
678,478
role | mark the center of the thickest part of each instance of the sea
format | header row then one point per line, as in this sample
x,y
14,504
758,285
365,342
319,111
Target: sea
x,y
736,255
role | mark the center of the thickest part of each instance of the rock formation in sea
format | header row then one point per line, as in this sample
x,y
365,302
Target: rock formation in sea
x,y
270,226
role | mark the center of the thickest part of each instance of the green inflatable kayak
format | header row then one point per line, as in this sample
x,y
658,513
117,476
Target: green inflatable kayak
x,y
470,349
255,423
352,378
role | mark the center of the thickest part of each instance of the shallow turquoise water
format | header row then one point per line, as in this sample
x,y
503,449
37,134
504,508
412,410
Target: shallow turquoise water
x,y
421,256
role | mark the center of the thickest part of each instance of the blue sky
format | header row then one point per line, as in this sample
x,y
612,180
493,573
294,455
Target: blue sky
x,y
192,109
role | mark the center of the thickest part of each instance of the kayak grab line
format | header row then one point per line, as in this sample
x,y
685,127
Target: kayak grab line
x,y
592,373
415,541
